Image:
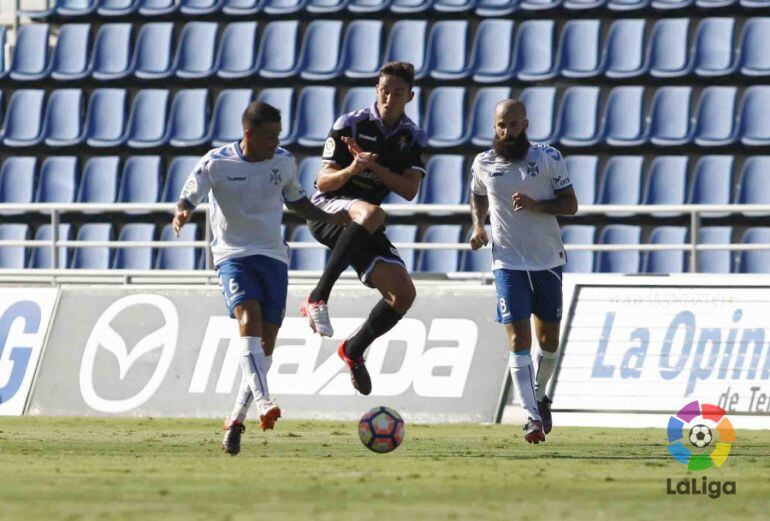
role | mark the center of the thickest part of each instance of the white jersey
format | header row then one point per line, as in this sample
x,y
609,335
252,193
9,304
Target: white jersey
x,y
522,240
246,200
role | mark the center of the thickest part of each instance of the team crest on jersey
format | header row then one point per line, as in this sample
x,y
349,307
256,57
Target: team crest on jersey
x,y
329,146
532,168
402,144
275,176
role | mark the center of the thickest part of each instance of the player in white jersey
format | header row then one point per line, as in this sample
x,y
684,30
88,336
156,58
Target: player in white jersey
x,y
524,186
248,182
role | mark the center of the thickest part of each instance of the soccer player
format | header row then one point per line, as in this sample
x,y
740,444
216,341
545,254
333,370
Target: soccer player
x,y
368,154
249,180
524,186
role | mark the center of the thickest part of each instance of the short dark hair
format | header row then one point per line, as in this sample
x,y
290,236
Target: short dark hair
x,y
258,113
403,70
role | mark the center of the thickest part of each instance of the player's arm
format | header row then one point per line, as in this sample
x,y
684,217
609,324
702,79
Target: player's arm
x,y
307,210
565,203
479,209
406,185
193,192
332,177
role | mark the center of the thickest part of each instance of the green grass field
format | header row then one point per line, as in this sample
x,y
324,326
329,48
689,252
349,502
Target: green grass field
x,y
109,469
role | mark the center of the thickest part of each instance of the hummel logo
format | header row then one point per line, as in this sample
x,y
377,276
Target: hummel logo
x,y
367,138
496,173
236,178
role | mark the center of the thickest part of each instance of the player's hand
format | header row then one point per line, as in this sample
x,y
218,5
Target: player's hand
x,y
479,238
353,147
340,218
181,216
525,202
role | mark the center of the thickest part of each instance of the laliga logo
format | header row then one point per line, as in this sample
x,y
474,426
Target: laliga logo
x,y
105,336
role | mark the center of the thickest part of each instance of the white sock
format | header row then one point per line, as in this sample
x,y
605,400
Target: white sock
x,y
243,399
520,365
546,364
254,365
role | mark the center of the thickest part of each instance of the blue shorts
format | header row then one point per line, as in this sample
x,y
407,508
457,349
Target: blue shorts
x,y
521,293
257,278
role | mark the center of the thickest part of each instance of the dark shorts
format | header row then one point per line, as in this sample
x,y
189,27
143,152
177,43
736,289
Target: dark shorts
x,y
523,293
259,278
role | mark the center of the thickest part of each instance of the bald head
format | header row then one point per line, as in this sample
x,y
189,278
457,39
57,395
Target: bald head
x,y
512,106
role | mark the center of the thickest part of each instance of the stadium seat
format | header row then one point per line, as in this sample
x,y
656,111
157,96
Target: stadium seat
x,y
669,49
541,107
283,7
40,257
308,170
445,117
482,114
147,123
479,261
178,171
540,5
670,117
624,52
394,198
533,51
583,5
446,50
666,261
755,4
621,182
494,8
237,56
13,257
754,123
440,261
37,14
578,261
111,58
106,118
97,258
61,124
582,172
177,258
70,60
715,261
754,184
188,122
277,56
58,180
316,114
671,5
319,58
755,47
755,261
361,49
311,259
366,6
619,261
453,6
714,4
715,117
357,98
153,52
242,7
159,7
196,50
140,180
3,66
712,182
624,117
407,42
627,5
444,182
282,99
68,8
492,51
30,54
579,118
580,47
134,258
714,44
99,181
410,6
667,183
404,233
226,124
325,6
109,8
200,7
24,118
17,181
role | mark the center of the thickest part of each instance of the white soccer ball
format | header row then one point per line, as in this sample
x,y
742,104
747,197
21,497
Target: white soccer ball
x,y
700,436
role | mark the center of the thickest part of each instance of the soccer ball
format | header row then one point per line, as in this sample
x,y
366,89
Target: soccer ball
x,y
700,436
381,429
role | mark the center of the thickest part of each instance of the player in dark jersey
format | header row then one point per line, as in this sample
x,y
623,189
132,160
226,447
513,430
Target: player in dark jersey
x,y
368,154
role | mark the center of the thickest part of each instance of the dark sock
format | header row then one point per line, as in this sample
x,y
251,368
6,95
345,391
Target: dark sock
x,y
351,238
380,321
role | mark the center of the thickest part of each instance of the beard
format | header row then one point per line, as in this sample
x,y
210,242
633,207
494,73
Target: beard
x,y
511,149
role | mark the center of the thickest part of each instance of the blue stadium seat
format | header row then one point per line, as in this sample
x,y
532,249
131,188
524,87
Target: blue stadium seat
x,y
445,180
583,5
671,5
36,14
755,261
237,56
714,44
445,117
715,117
582,172
308,170
111,58
70,60
754,184
58,180
242,7
61,125
619,261
492,51
361,49
754,123
147,122
226,124
110,8
715,261
404,233
712,183
196,50
367,6
440,261
491,8
3,68
579,117
13,257
30,55
541,107
446,50
97,258
158,7
281,7
540,5
301,259
624,52
24,118
667,182
277,56
153,52
621,182
666,261
316,114
188,122
134,258
407,42
140,180
627,5
201,7
325,6
68,8
357,98
410,6
624,117
106,118
714,4
755,4
99,181
282,99
482,115
755,47
580,48
579,261
319,58
669,55
453,6
534,50
177,258
479,261
177,173
41,258
17,180
670,116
